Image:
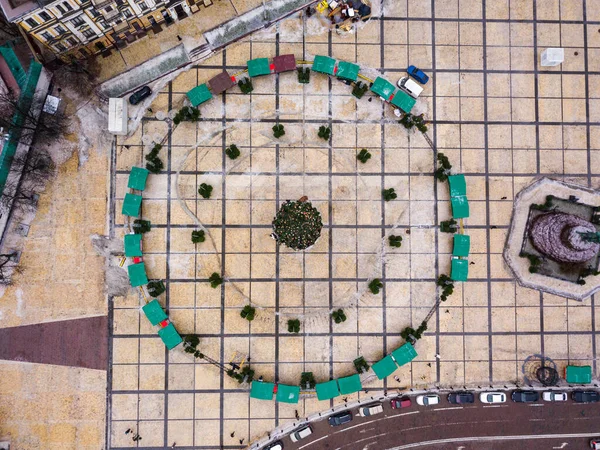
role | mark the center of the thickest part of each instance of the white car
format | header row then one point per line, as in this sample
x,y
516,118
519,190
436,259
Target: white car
x,y
492,397
301,433
428,399
554,396
410,87
370,410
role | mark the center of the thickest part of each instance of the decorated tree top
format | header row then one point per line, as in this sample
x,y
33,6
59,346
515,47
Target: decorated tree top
x,y
297,224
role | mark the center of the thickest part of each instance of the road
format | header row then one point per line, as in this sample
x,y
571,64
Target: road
x,y
540,425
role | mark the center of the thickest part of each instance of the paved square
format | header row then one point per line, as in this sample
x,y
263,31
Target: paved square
x,y
500,118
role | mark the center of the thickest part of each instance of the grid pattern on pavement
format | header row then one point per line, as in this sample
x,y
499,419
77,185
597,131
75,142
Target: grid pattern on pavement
x,y
502,120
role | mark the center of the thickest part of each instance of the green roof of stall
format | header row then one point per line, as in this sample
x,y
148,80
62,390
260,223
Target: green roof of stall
x,y
460,207
133,245
199,95
137,178
154,312
170,336
287,394
462,245
131,205
259,66
327,390
385,367
458,185
324,64
383,88
347,71
137,274
459,270
262,390
404,354
403,101
578,374
349,385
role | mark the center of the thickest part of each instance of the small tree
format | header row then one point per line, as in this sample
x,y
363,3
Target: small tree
x,y
395,241
535,262
232,151
156,287
448,226
324,132
187,114
443,171
205,190
375,285
389,194
307,380
141,226
190,343
338,316
8,265
447,285
215,280
293,326
360,89
278,131
198,236
245,85
363,156
248,313
361,365
303,75
154,164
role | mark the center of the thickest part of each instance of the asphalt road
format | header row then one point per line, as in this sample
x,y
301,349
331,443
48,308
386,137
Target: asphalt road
x,y
540,425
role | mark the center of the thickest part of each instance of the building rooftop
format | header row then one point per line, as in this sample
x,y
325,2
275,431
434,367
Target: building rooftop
x,y
13,9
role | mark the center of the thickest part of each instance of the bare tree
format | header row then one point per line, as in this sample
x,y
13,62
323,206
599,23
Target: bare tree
x,y
8,266
44,127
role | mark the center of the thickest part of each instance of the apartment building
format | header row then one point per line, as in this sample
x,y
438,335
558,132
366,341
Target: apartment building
x,y
80,28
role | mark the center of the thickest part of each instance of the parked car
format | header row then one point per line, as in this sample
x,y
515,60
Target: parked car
x,y
277,445
418,74
410,87
400,402
301,433
595,443
525,396
428,399
492,397
370,410
458,398
340,419
586,396
554,396
139,95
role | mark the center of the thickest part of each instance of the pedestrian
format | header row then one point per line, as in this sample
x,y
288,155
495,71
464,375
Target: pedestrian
x,y
232,434
437,356
241,441
174,444
297,415
397,378
128,431
260,378
150,110
345,399
179,38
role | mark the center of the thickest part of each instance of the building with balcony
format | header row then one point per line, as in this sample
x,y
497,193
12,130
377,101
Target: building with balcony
x,y
77,29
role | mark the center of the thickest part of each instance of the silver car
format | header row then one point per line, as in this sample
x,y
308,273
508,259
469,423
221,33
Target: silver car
x,y
492,397
555,396
301,433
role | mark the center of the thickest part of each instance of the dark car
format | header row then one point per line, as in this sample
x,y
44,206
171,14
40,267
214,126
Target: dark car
x,y
340,419
139,95
400,402
525,396
277,445
458,398
586,396
418,74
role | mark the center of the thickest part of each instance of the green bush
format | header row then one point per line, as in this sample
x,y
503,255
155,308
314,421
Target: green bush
x,y
324,132
338,316
187,114
447,285
409,121
154,164
416,334
443,171
395,241
248,313
448,226
303,75
278,131
360,89
363,156
232,151
534,262
375,285
198,236
293,326
205,190
215,280
141,226
155,288
389,194
245,85
547,205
